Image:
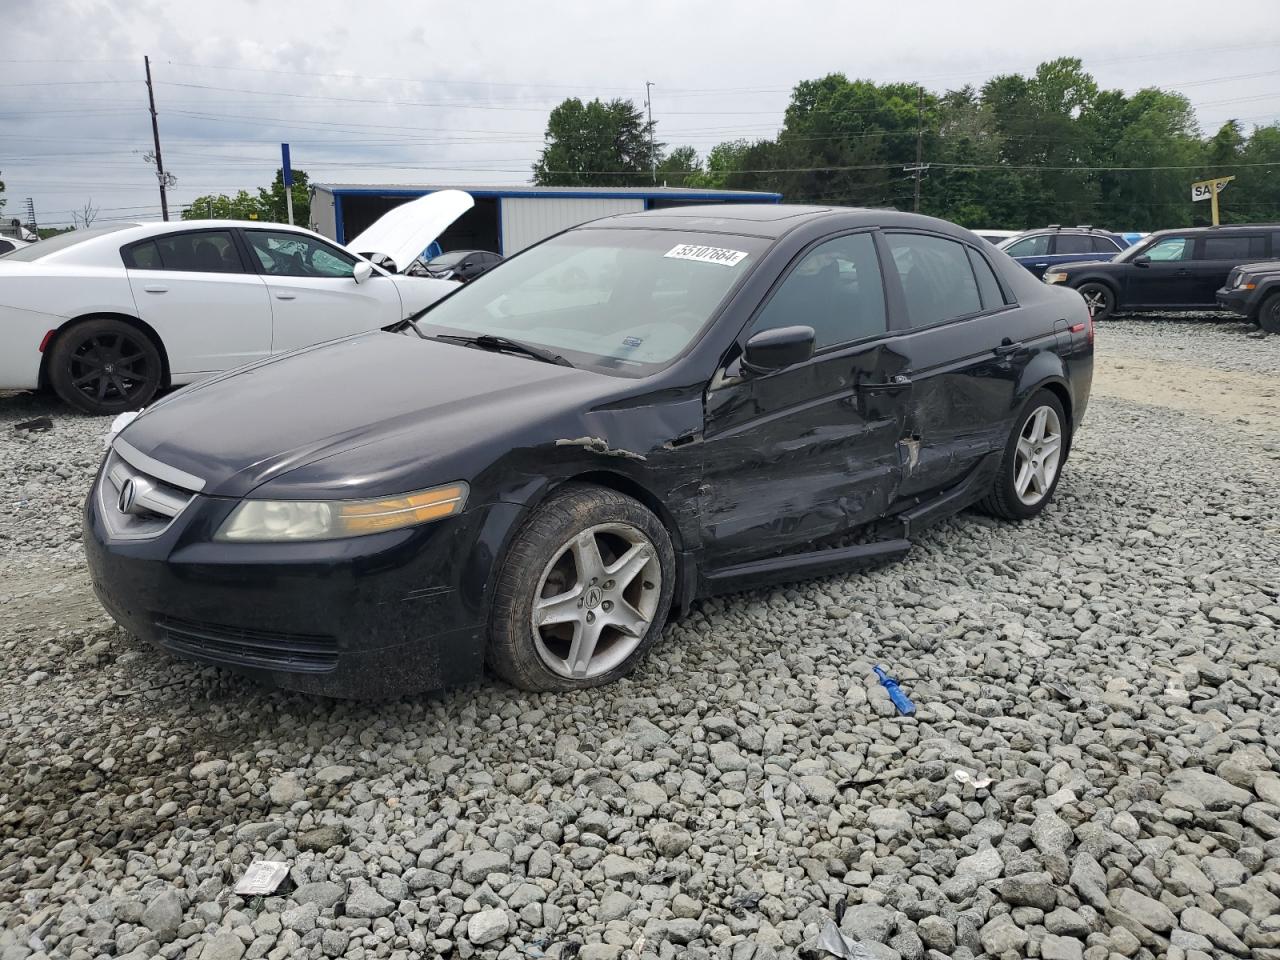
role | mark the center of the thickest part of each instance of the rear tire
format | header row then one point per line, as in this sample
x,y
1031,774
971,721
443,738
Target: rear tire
x,y
1269,313
583,593
1033,460
1099,298
105,366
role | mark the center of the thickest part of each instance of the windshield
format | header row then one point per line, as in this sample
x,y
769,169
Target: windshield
x,y
1139,248
621,301
35,251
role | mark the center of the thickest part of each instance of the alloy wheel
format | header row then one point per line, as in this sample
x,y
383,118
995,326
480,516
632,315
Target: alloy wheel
x,y
109,367
1095,300
596,600
1038,456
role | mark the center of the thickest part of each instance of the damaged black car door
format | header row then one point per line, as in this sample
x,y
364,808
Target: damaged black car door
x,y
805,452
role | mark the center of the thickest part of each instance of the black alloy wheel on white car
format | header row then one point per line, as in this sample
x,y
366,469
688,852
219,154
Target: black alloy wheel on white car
x,y
105,366
1032,462
584,591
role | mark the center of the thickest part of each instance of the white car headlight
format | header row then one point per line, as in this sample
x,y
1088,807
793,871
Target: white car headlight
x,y
1245,282
279,521
1055,276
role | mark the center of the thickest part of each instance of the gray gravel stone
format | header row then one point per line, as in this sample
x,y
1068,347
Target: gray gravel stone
x,y
487,926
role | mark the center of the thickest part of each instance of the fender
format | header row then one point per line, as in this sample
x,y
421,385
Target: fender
x,y
1048,371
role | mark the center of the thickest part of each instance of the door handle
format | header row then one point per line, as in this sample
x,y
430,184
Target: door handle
x,y
1040,264
155,288
897,383
1006,347
286,296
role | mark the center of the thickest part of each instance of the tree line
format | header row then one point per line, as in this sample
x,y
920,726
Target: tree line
x,y
1018,152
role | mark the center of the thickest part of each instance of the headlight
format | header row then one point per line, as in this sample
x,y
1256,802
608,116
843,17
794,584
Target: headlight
x,y
442,275
1244,282
275,521
1055,276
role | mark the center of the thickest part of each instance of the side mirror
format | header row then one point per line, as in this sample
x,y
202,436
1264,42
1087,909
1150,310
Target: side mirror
x,y
1141,261
780,347
362,271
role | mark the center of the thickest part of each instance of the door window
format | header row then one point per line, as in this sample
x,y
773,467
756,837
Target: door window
x,y
1170,248
836,289
1074,243
1036,246
208,251
1103,245
988,286
5,246
936,278
1237,249
297,255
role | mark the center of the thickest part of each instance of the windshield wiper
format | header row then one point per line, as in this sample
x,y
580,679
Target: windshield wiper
x,y
489,341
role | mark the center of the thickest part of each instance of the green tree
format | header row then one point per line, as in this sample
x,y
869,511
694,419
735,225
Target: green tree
x,y
243,206
597,144
271,200
268,205
680,168
2,200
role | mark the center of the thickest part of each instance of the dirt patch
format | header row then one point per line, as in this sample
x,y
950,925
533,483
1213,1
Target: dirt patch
x,y
1246,402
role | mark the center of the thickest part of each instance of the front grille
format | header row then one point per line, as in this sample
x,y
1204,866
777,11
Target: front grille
x,y
241,647
154,504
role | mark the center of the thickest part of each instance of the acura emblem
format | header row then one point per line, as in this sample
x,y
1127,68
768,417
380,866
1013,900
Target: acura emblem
x,y
130,492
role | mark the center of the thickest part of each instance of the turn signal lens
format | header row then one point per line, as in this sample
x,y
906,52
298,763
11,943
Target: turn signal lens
x,y
374,516
280,521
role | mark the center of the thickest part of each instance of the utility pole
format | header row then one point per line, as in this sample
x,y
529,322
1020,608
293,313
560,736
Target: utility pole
x,y
648,103
919,167
155,133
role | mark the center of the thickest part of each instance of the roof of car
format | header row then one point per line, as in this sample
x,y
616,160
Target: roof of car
x,y
1221,228
768,220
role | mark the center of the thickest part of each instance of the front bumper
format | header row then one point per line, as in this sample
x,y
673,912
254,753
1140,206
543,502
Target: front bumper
x,y
368,617
1236,300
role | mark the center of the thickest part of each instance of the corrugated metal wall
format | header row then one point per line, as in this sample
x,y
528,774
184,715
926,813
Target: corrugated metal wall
x,y
526,220
322,216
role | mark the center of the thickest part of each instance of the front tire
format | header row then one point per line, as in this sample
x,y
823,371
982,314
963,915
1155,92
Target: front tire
x,y
1099,298
105,366
1269,313
1032,461
583,593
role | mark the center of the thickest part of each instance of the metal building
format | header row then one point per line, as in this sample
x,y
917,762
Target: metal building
x,y
504,219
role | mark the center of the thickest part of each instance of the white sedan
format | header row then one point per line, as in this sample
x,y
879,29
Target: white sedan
x,y
109,315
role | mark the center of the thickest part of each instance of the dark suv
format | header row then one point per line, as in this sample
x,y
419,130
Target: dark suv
x,y
1169,270
1037,250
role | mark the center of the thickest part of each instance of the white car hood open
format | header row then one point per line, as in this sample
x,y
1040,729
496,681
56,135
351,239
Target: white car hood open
x,y
405,231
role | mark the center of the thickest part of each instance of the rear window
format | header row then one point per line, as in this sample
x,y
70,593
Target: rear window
x,y
1238,248
62,241
206,251
1074,243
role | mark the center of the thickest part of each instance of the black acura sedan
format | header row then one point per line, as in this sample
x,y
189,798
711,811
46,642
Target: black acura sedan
x,y
539,469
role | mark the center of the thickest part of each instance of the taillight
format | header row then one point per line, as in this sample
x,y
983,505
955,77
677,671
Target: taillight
x,y
1091,326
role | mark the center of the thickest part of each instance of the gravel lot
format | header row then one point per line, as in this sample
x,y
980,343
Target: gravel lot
x,y
1113,667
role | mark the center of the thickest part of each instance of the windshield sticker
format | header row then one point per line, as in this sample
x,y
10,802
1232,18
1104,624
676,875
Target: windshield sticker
x,y
696,251
632,341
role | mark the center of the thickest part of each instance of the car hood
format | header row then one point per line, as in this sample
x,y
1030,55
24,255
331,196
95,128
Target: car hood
x,y
418,401
1264,266
403,232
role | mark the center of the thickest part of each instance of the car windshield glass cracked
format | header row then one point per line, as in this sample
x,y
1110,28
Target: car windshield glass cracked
x,y
612,300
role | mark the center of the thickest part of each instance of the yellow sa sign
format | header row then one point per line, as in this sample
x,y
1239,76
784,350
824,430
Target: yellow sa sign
x,y
1209,190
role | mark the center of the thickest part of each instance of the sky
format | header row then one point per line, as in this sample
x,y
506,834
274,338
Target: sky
x,y
383,93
